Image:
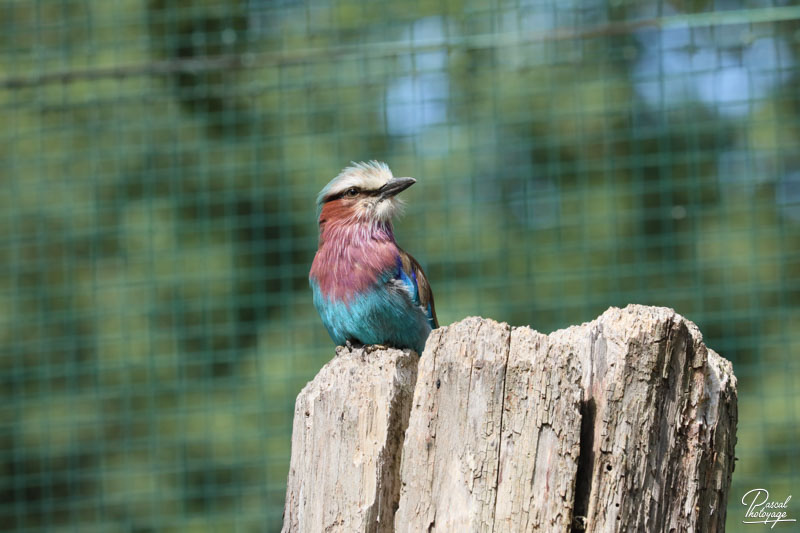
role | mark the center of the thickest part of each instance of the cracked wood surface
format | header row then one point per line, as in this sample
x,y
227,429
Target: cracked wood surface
x,y
625,423
346,438
493,438
661,452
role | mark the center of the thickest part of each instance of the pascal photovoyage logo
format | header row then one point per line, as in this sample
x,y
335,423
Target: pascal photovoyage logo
x,y
762,510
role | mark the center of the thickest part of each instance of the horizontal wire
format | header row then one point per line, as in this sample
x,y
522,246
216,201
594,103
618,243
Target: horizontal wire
x,y
393,48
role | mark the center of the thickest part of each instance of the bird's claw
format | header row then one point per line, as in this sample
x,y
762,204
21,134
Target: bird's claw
x,y
351,345
369,348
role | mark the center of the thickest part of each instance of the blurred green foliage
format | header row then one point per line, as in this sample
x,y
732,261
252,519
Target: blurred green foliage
x,y
159,163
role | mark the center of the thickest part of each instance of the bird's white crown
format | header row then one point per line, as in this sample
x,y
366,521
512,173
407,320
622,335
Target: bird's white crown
x,y
368,176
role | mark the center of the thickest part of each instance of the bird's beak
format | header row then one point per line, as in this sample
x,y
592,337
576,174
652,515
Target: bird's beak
x,y
394,186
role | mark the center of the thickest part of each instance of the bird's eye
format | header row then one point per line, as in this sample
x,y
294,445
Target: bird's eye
x,y
352,192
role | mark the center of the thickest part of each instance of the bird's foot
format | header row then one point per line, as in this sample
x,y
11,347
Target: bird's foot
x,y
369,348
352,345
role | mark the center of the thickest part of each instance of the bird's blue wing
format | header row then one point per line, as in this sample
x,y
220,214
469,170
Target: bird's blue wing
x,y
411,275
409,281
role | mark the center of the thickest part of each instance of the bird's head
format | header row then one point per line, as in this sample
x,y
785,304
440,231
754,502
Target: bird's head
x,y
364,192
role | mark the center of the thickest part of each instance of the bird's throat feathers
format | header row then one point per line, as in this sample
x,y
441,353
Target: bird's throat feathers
x,y
354,253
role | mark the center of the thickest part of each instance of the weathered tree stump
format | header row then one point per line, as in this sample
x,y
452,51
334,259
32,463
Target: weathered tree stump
x,y
626,423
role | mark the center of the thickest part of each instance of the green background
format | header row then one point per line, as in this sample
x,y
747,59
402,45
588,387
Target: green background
x,y
159,162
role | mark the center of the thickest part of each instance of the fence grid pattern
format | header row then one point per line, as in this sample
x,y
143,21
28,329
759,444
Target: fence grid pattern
x,y
160,160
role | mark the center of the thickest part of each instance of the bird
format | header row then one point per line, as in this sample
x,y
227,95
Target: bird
x,y
368,290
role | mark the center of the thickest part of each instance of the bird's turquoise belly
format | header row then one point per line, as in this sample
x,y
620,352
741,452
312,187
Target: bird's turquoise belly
x,y
382,315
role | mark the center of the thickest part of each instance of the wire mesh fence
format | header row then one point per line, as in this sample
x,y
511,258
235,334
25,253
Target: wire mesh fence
x,y
159,163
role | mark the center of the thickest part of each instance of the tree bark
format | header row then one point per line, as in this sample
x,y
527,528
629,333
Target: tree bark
x,y
663,422
625,423
346,443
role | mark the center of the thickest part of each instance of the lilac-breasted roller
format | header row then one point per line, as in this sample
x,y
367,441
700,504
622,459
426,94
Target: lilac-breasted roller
x,y
366,288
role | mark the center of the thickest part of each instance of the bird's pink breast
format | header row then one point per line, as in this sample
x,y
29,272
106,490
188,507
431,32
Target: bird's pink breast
x,y
351,258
